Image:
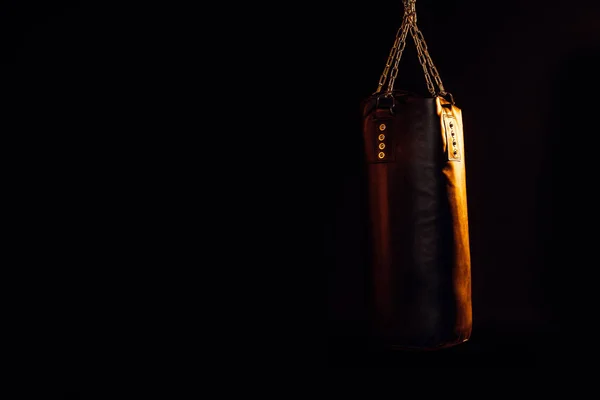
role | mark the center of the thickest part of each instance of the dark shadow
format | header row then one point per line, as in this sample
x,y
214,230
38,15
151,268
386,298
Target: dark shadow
x,y
568,204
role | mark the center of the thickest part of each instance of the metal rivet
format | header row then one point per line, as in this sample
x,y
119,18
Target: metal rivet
x,y
381,136
382,127
381,146
452,133
451,124
381,154
454,142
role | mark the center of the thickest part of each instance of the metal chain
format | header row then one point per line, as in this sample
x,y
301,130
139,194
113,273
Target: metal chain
x,y
405,29
427,62
422,60
395,52
409,22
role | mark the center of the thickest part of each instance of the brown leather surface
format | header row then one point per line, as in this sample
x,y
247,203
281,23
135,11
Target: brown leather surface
x,y
456,187
419,240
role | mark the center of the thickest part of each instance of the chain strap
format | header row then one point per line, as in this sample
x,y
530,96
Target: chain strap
x,y
409,23
398,55
395,53
426,62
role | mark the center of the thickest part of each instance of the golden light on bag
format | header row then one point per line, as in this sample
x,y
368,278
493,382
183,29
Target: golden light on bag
x,y
420,263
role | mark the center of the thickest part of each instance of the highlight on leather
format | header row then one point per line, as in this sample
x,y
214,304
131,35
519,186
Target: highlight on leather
x,y
455,173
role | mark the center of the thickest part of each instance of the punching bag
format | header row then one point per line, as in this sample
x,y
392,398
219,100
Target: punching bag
x,y
420,265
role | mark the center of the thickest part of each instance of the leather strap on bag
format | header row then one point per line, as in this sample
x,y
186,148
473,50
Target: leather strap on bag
x,y
432,77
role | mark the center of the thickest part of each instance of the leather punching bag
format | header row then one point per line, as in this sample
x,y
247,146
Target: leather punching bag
x,y
418,223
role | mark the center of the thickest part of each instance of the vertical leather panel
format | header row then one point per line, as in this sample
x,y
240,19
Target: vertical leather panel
x,y
454,171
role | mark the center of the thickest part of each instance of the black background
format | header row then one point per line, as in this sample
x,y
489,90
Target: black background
x,y
522,74
99,80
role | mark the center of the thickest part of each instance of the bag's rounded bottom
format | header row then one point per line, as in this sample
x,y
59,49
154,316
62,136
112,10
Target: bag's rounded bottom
x,y
397,347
